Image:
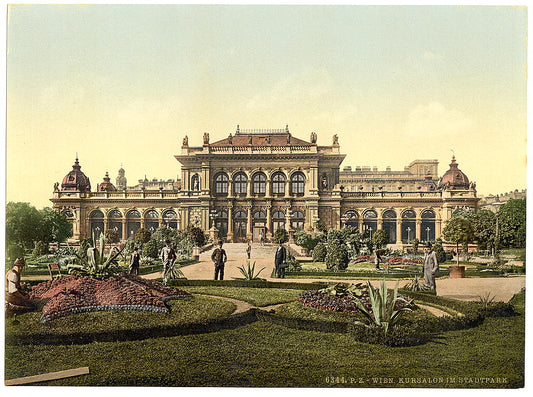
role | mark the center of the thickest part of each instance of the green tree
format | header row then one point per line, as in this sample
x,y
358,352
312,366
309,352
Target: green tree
x,y
40,249
142,236
54,226
512,223
320,226
151,249
484,225
380,238
197,234
458,230
319,252
306,240
23,225
280,236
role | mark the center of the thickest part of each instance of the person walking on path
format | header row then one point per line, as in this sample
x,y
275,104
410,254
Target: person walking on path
x,y
431,266
167,256
280,261
219,258
134,262
249,249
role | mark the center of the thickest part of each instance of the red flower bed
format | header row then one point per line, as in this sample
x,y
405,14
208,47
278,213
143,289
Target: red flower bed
x,y
78,294
366,258
398,260
346,304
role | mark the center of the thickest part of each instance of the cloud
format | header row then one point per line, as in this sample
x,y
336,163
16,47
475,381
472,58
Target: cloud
x,y
301,89
435,120
431,56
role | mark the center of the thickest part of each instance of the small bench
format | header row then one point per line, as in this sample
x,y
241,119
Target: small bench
x,y
54,266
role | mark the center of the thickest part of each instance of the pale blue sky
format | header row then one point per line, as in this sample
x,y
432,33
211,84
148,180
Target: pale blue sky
x,y
395,83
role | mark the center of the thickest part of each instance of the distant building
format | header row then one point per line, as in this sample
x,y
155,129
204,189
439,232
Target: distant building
x,y
256,181
494,202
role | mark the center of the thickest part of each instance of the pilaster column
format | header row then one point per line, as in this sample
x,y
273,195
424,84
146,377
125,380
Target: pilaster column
x,y
288,219
438,228
287,187
360,225
142,222
419,229
124,230
249,187
106,221
249,223
269,223
399,231
269,187
230,223
380,223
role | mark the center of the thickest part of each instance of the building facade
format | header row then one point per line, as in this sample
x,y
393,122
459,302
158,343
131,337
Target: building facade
x,y
253,182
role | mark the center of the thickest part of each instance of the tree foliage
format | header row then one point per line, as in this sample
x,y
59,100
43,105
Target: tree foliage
x,y
458,230
512,223
380,238
306,240
25,226
142,236
280,236
111,236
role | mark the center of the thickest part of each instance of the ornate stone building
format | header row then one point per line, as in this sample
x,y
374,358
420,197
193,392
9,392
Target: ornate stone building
x,y
255,181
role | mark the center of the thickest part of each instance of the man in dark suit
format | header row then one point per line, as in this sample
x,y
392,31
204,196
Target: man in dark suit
x,y
280,261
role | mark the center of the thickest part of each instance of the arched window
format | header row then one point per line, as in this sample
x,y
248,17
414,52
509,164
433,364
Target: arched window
x,y
370,214
239,183
428,214
115,222
239,225
408,226
96,223
221,184
297,220
350,219
151,221
389,225
221,223
389,214
408,214
133,214
151,215
278,183
97,214
259,215
427,227
259,185
278,220
297,184
133,223
170,219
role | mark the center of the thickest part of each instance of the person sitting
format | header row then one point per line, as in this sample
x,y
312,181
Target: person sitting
x,y
16,297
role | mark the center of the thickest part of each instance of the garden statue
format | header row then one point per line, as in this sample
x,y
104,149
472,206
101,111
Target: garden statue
x,y
335,140
206,138
186,141
431,266
230,139
56,186
16,297
313,137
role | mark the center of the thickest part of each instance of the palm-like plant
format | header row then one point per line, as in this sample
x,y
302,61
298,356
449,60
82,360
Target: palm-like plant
x,y
97,264
417,285
382,313
249,271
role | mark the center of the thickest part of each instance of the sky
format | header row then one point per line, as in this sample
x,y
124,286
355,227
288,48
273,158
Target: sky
x,y
121,85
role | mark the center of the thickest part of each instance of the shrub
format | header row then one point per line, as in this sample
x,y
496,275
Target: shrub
x,y
249,273
280,236
85,244
294,264
142,236
337,255
307,241
151,249
40,249
197,235
319,252
111,236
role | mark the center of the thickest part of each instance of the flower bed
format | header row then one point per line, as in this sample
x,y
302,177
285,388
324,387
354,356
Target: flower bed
x,y
398,260
324,301
78,294
361,259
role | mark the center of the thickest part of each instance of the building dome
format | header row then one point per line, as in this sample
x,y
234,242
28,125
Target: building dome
x,y
76,180
106,185
454,178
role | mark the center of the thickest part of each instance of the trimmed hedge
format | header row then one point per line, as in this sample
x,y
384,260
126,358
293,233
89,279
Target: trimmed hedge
x,y
247,283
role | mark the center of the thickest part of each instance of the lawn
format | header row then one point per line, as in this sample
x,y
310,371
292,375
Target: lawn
x,y
255,296
263,354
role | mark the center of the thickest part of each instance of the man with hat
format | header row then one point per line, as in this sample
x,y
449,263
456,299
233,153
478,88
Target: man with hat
x,y
219,258
431,266
15,294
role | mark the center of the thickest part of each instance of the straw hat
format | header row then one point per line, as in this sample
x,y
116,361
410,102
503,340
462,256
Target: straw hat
x,y
19,262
